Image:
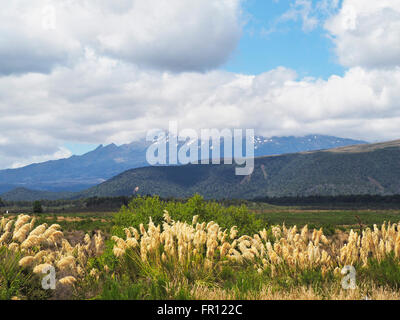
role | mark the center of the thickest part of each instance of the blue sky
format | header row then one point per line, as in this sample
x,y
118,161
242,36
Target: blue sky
x,y
80,148
268,43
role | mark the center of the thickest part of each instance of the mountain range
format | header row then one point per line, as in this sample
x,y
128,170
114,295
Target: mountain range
x,y
79,173
355,170
352,170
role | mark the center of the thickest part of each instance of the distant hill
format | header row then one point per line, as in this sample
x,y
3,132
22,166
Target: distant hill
x,y
81,172
23,194
364,169
77,172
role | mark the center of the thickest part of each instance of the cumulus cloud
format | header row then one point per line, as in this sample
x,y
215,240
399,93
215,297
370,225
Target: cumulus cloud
x,y
170,35
115,83
105,100
367,33
27,43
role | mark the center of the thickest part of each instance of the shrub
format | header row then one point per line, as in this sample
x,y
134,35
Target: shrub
x,y
140,209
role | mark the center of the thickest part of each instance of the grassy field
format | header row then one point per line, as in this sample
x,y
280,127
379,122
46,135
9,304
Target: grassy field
x,y
84,221
347,218
327,219
200,250
271,214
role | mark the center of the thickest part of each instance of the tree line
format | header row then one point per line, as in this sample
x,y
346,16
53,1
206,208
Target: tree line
x,y
344,200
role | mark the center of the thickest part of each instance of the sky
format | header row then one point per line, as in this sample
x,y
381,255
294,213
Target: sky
x,y
269,40
78,73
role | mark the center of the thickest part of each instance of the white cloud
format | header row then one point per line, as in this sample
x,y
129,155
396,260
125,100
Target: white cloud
x,y
309,13
104,100
62,153
87,89
367,33
25,45
175,35
301,9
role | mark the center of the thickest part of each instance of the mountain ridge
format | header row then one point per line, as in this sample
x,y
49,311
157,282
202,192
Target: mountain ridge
x,y
358,170
81,172
324,172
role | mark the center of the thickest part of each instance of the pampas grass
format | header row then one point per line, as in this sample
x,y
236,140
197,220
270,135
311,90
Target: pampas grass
x,y
210,246
180,251
43,247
